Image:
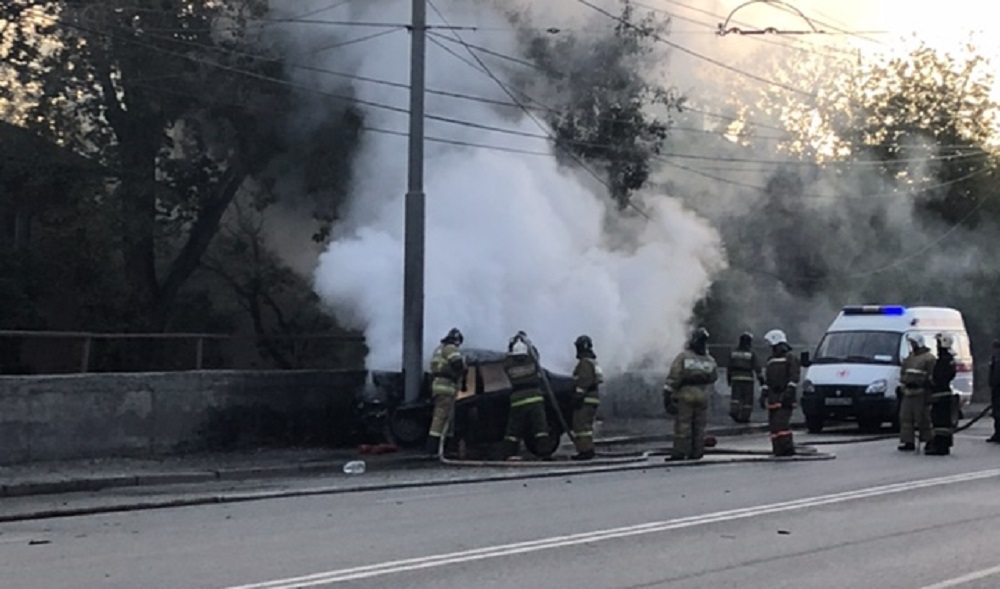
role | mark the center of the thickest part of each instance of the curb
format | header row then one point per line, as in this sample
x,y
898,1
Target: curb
x,y
263,495
98,483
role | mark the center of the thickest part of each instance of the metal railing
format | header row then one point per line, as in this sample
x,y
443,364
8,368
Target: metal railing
x,y
66,352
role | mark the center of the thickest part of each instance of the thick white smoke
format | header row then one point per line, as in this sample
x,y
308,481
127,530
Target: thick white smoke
x,y
513,240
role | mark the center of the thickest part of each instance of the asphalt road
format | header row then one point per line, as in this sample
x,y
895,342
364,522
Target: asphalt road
x,y
873,517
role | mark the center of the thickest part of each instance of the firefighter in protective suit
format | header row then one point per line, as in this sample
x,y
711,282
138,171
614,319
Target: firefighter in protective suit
x,y
914,393
587,378
685,396
781,381
527,403
447,369
743,370
944,402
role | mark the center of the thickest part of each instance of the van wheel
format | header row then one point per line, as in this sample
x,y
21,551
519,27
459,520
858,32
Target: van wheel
x,y
814,423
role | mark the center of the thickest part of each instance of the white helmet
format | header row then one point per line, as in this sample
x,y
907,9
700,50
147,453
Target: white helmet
x,y
946,340
519,348
916,340
775,337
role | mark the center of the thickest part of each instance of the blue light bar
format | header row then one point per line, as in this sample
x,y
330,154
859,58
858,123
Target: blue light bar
x,y
894,310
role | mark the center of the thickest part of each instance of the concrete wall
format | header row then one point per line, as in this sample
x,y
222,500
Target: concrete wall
x,y
640,394
100,415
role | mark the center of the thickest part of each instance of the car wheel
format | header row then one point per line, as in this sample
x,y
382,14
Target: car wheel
x,y
546,446
409,427
814,424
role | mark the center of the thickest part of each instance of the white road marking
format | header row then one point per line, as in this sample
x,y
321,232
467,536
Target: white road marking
x,y
425,562
965,578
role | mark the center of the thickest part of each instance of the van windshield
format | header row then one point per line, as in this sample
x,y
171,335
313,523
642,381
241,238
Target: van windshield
x,y
859,347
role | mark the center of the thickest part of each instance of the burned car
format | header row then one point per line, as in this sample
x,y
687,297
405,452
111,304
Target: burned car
x,y
481,406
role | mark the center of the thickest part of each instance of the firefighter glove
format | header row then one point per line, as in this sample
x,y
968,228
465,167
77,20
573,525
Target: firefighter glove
x,y
668,401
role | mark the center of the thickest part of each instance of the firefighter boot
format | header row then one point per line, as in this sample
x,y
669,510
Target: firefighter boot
x,y
585,455
512,449
433,443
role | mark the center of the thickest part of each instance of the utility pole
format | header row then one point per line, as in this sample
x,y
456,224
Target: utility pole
x,y
413,227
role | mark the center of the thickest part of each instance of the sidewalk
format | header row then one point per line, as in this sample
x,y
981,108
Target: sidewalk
x,y
96,474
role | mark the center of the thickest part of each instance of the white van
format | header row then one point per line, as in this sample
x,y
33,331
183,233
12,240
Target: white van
x,y
855,369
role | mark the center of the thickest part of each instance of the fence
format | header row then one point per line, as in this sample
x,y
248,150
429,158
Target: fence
x,y
64,352
55,352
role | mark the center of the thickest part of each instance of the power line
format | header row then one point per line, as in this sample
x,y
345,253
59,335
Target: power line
x,y
279,81
711,30
471,124
476,125
764,189
695,54
463,96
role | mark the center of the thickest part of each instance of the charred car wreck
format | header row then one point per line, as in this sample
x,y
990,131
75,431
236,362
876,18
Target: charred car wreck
x,y
481,406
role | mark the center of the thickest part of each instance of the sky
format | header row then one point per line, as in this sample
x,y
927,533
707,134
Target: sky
x,y
885,22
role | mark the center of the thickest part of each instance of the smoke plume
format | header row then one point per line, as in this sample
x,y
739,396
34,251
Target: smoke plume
x,y
514,241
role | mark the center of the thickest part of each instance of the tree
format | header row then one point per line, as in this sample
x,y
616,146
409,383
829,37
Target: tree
x,y
279,302
609,111
889,191
156,92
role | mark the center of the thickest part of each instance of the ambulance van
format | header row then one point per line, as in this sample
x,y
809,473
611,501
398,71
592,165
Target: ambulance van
x,y
853,374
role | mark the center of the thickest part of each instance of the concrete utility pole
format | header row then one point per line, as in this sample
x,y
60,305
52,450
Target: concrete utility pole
x,y
413,228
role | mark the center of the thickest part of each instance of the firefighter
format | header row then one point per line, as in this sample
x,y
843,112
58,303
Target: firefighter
x,y
995,391
743,370
527,403
447,370
914,394
943,400
781,381
685,396
587,378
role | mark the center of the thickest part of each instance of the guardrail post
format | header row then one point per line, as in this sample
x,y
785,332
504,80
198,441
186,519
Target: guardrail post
x,y
85,360
199,353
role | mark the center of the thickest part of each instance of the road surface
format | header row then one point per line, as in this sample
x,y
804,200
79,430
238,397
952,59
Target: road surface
x,y
874,517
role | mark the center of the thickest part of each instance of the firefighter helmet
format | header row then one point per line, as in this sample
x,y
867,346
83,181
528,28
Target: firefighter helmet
x,y
946,340
775,337
518,347
746,339
584,344
454,337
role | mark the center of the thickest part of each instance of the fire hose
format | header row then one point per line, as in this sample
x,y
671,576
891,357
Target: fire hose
x,y
971,422
610,459
987,411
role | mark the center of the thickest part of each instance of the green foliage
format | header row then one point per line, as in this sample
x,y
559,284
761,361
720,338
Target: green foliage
x,y
180,110
609,111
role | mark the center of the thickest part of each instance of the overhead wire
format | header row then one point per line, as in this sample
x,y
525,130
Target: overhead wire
x,y
776,40
678,47
747,269
895,192
530,115
279,81
750,270
471,124
711,30
527,111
